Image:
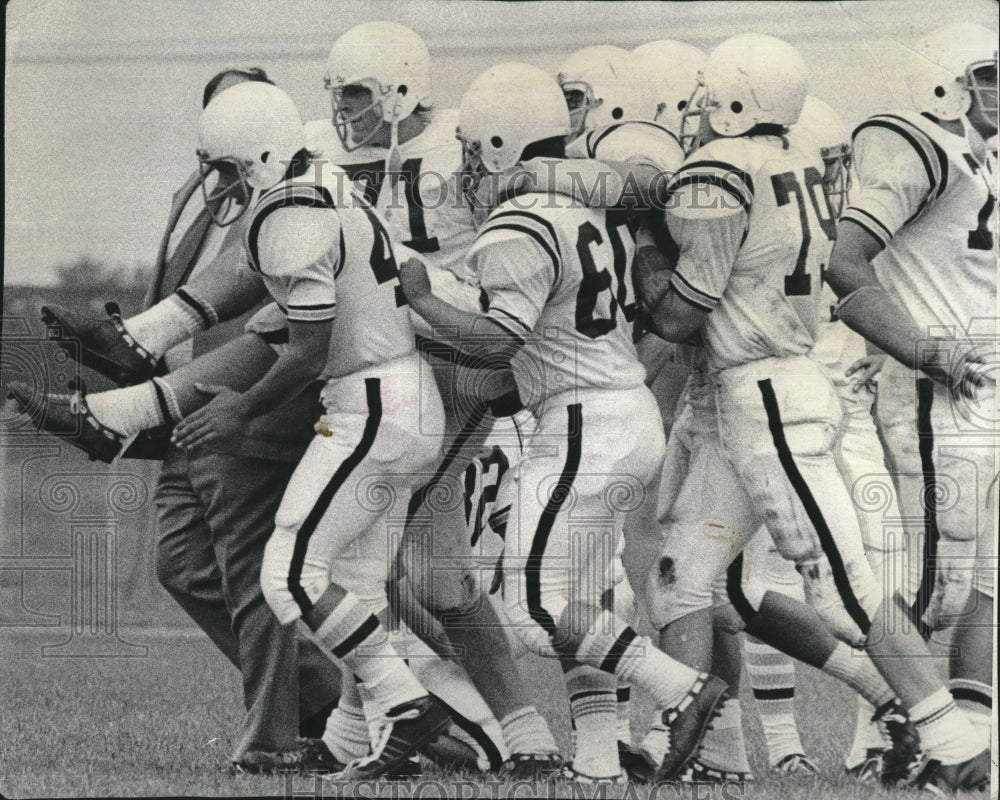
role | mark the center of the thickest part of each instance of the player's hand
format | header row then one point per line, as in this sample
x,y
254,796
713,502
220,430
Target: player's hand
x,y
222,417
413,278
864,372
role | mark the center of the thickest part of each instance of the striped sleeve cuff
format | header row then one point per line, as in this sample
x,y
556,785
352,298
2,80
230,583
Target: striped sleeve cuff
x,y
693,295
869,222
318,312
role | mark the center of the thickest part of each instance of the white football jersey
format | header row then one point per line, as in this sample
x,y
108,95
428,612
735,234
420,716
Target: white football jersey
x,y
633,142
327,258
753,230
424,209
923,194
558,277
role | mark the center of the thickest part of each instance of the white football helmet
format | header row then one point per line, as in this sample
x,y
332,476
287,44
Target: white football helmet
x,y
820,129
389,60
601,86
670,75
941,70
253,129
748,80
507,108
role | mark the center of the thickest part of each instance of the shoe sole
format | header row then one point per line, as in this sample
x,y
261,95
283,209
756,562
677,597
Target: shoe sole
x,y
111,370
714,710
413,746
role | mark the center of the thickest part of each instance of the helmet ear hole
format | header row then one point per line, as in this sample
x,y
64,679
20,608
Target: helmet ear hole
x,y
682,105
617,113
264,156
939,91
497,142
401,90
736,107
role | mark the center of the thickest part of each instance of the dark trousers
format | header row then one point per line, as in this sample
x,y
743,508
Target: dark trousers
x,y
215,514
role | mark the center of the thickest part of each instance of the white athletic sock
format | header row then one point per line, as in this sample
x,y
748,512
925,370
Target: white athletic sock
x,y
593,713
979,714
772,678
724,747
384,675
945,732
866,735
636,659
526,732
128,411
346,733
171,321
855,668
624,706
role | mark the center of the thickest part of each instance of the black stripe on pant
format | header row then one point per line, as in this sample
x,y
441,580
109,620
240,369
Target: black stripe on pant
x,y
805,495
925,441
533,567
419,495
734,588
343,472
476,733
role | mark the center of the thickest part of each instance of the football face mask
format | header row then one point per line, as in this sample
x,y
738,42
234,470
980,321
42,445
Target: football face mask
x,y
981,81
580,100
224,187
694,117
837,176
358,112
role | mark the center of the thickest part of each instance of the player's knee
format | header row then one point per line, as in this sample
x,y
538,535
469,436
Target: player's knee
x,y
283,590
672,591
847,610
954,581
533,633
450,593
725,617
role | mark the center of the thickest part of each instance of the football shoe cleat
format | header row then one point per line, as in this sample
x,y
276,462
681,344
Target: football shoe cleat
x,y
409,728
105,345
68,417
688,722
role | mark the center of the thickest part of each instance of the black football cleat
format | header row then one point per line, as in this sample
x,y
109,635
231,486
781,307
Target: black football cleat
x,y
532,766
105,345
901,760
696,772
688,722
638,768
68,417
972,775
569,773
409,728
315,758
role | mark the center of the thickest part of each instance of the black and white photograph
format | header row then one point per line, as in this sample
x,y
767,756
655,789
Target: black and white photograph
x,y
495,400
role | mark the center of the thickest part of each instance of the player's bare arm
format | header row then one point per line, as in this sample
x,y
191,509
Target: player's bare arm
x,y
301,363
866,307
478,335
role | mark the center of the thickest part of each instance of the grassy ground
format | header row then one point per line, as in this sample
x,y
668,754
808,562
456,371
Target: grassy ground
x,y
163,725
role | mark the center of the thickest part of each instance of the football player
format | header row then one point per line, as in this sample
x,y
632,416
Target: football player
x,y
328,265
608,100
915,269
557,280
402,153
750,234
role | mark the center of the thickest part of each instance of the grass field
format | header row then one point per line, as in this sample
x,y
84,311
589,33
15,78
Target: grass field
x,y
163,725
